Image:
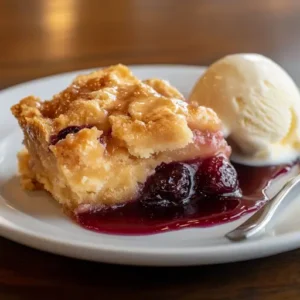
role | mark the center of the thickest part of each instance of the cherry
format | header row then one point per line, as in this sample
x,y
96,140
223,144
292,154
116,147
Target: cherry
x,y
64,132
103,139
216,176
167,191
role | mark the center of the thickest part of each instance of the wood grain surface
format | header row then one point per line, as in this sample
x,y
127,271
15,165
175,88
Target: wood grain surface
x,y
43,37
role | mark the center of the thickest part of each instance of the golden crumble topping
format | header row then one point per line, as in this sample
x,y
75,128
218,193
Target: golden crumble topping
x,y
124,129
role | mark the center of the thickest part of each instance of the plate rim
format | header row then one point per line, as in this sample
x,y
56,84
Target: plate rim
x,y
199,255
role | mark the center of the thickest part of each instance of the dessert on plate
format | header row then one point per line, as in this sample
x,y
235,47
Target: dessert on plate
x,y
110,138
122,155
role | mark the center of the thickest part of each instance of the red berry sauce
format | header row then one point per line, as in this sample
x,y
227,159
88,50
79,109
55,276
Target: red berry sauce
x,y
187,194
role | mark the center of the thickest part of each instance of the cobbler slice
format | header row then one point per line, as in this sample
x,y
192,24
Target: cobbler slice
x,y
110,138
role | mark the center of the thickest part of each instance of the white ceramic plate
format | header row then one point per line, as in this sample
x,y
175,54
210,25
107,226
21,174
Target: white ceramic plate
x,y
34,219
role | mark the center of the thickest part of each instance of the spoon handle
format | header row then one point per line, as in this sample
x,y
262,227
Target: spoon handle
x,y
260,219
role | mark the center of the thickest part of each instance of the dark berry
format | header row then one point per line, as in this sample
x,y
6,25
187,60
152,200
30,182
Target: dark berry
x,y
170,181
103,139
216,176
167,190
64,132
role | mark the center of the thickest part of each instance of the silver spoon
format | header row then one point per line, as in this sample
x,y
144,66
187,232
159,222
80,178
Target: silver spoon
x,y
260,219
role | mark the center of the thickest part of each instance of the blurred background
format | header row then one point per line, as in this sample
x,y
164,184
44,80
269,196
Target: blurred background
x,y
43,37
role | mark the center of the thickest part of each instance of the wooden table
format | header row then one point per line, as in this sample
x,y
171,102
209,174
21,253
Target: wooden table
x,y
43,37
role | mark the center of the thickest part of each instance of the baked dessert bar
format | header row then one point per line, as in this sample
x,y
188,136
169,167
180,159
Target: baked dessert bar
x,y
95,143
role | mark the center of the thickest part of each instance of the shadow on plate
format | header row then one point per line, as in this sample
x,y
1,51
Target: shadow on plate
x,y
35,203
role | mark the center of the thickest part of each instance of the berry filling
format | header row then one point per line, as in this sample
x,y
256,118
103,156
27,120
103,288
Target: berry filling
x,y
175,197
168,190
216,176
64,132
176,188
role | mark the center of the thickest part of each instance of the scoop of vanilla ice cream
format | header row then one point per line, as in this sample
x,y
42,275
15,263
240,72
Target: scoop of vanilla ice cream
x,y
258,103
